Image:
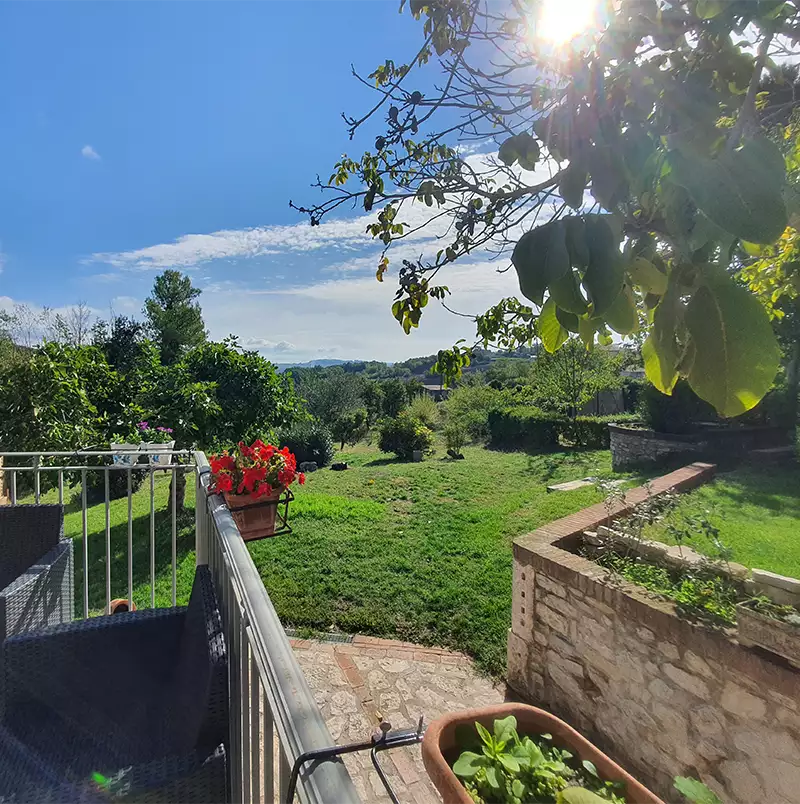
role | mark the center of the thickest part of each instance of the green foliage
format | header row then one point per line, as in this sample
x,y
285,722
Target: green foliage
x,y
569,378
516,769
470,405
695,791
657,116
309,441
372,397
422,407
403,435
677,413
455,437
395,398
174,317
697,594
351,427
591,432
523,428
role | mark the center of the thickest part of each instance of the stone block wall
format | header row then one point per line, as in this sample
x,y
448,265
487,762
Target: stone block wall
x,y
638,447
661,695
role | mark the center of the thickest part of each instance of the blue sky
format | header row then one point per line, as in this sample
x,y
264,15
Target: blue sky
x,y
146,135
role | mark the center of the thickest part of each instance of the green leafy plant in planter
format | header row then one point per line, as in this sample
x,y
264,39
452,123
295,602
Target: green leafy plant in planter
x,y
510,769
769,608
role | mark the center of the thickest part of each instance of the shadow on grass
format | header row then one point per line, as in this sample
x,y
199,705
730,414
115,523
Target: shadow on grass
x,y
141,540
385,461
775,490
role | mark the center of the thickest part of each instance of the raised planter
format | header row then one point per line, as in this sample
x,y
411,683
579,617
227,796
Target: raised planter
x,y
776,636
440,748
254,516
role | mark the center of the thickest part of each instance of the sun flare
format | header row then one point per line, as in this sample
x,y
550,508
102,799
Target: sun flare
x,y
560,21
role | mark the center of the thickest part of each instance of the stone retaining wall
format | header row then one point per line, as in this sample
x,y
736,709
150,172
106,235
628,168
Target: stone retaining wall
x,y
639,447
661,695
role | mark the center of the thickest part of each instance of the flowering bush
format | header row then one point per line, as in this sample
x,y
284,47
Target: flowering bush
x,y
258,469
154,435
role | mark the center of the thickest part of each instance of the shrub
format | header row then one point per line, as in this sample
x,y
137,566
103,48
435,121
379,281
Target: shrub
x,y
350,427
309,441
592,431
524,428
470,405
403,435
422,407
455,437
677,413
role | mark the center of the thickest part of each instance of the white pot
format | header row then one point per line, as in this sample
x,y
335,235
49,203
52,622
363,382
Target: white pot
x,y
125,454
159,454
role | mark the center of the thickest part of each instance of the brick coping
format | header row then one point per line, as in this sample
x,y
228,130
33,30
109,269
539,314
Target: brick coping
x,y
539,551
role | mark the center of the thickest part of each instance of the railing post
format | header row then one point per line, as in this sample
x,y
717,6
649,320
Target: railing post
x,y
200,517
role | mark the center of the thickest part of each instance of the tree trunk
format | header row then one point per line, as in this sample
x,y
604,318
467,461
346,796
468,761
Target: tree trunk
x,y
793,383
179,479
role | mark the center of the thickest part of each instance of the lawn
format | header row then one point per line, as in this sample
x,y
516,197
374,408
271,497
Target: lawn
x,y
757,511
416,551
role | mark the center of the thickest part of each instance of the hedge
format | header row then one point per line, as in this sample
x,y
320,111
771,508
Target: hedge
x,y
532,429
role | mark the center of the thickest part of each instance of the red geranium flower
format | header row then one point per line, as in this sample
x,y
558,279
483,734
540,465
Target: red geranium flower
x,y
301,479
223,482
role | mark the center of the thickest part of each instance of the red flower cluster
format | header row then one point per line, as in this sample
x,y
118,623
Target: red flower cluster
x,y
258,469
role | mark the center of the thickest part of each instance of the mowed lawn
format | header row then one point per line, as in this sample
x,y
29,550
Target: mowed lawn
x,y
757,511
416,551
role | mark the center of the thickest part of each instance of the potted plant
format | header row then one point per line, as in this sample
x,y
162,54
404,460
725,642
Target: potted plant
x,y
518,753
770,625
126,452
252,480
157,443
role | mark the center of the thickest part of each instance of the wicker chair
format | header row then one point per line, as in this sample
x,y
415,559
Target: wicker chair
x,y
36,574
140,698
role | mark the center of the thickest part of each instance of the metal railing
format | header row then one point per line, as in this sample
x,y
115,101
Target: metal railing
x,y
274,718
54,468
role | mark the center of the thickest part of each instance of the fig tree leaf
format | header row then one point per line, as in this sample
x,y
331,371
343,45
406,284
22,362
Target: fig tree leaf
x,y
576,241
527,151
708,9
572,184
508,151
621,316
604,275
551,332
736,355
645,275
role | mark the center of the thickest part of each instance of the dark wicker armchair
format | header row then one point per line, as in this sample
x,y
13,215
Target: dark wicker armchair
x,y
36,575
140,698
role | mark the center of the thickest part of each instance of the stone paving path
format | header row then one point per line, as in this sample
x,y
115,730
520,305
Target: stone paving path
x,y
357,683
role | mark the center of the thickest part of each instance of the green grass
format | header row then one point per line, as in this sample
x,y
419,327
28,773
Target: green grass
x,y
421,552
757,511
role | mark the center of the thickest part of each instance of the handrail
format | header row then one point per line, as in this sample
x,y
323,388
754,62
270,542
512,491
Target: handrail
x,y
297,717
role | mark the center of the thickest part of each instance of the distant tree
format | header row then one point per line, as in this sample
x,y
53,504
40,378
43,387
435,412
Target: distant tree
x,y
372,396
74,326
174,317
567,379
26,326
121,342
350,427
394,397
414,388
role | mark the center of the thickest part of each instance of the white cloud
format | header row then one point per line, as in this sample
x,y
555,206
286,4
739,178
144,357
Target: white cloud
x,y
263,343
126,304
89,153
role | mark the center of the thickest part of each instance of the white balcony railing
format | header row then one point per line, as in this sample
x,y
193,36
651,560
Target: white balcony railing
x,y
273,716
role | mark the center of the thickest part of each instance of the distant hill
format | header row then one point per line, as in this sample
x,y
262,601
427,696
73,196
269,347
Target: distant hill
x,y
323,362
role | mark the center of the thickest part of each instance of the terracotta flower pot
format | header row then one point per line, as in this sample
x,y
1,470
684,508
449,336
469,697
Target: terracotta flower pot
x,y
440,749
254,516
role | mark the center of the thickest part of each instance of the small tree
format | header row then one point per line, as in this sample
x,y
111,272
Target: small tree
x,y
174,317
74,326
570,377
372,396
351,427
395,398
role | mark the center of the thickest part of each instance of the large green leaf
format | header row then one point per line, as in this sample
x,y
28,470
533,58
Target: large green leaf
x,y
622,316
468,764
551,332
572,184
540,257
566,293
736,355
708,9
520,148
740,191
660,351
645,275
605,274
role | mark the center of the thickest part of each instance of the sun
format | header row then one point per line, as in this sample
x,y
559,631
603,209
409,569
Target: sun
x,y
560,21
